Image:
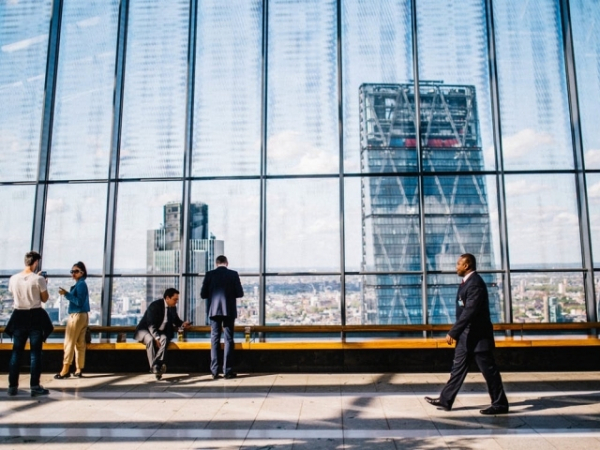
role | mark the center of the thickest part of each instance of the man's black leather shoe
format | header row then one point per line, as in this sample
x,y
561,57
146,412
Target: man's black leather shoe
x,y
214,376
494,410
230,375
437,402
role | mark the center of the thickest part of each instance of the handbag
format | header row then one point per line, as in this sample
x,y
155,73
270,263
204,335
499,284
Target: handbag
x,y
88,335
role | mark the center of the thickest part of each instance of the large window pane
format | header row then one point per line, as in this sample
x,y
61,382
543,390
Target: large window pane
x,y
132,295
585,26
84,93
247,306
593,194
531,80
456,121
24,28
303,300
148,231
382,224
303,225
543,225
461,216
548,297
302,122
377,48
15,226
227,113
225,219
441,297
154,115
74,227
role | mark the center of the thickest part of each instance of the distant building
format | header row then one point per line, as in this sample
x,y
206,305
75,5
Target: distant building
x,y
457,217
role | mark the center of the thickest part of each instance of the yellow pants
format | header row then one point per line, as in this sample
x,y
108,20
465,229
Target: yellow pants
x,y
75,340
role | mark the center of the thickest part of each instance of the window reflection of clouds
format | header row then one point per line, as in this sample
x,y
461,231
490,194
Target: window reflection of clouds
x,y
15,226
593,187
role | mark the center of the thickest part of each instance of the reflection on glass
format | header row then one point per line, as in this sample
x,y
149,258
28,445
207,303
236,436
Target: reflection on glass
x,y
148,230
154,102
531,80
302,122
377,48
15,226
131,297
383,300
225,219
74,226
461,217
84,93
227,110
597,290
585,26
24,27
303,225
593,194
303,300
548,297
543,225
456,118
247,306
441,297
57,305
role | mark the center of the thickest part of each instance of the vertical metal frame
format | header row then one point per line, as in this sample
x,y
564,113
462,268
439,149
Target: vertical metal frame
x,y
340,88
41,192
415,48
113,175
263,166
187,160
500,182
578,155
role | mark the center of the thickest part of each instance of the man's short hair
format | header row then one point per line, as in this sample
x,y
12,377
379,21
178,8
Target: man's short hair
x,y
222,259
471,261
170,293
31,258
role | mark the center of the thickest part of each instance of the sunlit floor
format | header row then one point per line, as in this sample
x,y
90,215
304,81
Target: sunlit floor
x,y
297,411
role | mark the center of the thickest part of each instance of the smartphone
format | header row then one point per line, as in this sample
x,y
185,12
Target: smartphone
x,y
44,274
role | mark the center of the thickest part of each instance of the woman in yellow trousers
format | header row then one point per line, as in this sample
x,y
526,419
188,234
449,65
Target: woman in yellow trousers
x,y
79,307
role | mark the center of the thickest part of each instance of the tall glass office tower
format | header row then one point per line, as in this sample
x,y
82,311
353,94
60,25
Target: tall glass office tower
x,y
458,217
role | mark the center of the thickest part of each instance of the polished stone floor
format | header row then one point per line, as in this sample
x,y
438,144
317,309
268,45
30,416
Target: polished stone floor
x,y
299,411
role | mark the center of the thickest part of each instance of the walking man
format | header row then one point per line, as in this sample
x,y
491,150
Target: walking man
x,y
221,288
474,337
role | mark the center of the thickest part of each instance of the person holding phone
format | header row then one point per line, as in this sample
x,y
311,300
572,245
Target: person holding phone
x,y
79,307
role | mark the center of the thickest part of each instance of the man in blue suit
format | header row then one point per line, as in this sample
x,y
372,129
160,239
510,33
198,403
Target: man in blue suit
x,y
221,288
473,334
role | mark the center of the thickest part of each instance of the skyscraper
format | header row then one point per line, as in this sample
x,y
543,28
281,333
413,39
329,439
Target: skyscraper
x,y
456,208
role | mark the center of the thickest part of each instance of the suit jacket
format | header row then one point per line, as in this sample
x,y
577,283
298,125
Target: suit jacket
x,y
221,287
473,327
153,319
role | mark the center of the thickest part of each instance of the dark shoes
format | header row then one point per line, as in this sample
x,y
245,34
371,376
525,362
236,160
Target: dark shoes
x,y
36,391
12,391
494,410
437,402
230,375
159,370
58,376
77,374
214,376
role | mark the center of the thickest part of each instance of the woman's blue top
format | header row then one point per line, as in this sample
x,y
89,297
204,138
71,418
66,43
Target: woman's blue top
x,y
79,298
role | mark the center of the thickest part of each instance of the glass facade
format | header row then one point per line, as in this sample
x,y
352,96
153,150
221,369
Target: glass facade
x,y
341,153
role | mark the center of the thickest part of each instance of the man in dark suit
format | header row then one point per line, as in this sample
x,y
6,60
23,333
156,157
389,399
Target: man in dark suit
x,y
155,330
474,337
221,288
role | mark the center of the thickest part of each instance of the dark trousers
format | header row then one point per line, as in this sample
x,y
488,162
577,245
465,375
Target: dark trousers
x,y
20,337
460,368
218,323
156,356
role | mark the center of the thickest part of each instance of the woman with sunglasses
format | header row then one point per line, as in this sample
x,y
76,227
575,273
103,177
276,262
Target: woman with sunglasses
x,y
79,306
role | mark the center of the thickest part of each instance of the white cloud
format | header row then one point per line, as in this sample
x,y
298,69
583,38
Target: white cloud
x,y
522,143
594,190
592,158
291,149
523,187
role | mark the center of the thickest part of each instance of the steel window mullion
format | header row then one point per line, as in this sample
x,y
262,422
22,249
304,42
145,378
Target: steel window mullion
x,y
111,204
263,165
39,213
341,165
578,154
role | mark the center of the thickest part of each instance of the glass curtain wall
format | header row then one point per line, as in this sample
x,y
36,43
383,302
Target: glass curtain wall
x,y
341,153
